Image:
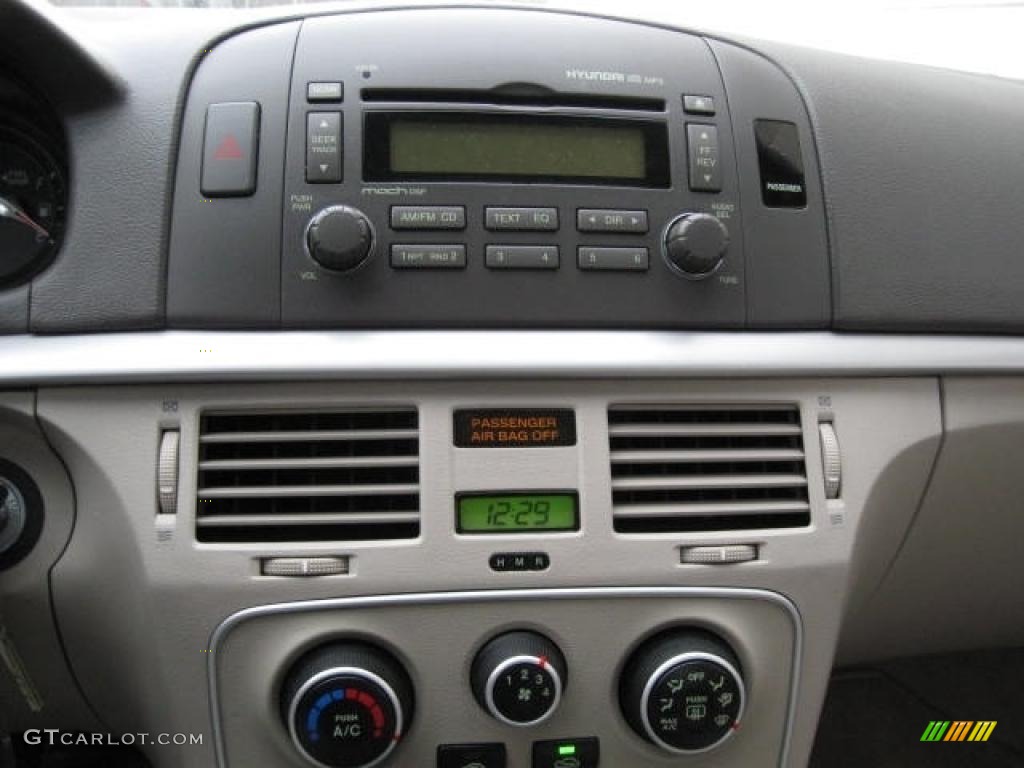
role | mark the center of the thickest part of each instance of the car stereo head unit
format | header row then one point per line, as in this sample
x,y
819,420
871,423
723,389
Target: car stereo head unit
x,y
440,173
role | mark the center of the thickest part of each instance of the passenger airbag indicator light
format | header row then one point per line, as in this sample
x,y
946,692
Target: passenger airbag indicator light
x,y
515,428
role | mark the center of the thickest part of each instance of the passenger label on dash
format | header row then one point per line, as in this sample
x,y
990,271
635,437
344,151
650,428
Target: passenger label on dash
x,y
515,428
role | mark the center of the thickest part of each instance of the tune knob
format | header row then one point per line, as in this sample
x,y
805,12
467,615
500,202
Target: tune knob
x,y
519,677
347,705
695,244
339,238
682,691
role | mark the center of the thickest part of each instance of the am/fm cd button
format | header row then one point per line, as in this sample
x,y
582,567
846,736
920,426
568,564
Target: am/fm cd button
x,y
424,217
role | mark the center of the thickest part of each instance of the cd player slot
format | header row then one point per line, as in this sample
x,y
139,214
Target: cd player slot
x,y
530,96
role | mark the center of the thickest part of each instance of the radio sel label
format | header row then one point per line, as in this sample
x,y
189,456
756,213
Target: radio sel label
x,y
515,427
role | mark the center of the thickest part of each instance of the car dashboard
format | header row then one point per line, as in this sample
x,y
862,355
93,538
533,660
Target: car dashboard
x,y
466,385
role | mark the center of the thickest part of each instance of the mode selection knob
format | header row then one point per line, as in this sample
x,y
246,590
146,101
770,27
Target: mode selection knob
x,y
519,677
347,705
695,244
339,238
683,691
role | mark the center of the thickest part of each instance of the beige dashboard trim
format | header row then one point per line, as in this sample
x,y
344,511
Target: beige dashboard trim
x,y
208,356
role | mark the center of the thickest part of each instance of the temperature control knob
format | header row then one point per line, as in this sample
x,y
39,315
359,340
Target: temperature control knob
x,y
339,238
519,677
683,691
347,705
695,244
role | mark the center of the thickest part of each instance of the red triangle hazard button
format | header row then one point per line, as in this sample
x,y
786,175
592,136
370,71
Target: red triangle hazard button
x,y
228,149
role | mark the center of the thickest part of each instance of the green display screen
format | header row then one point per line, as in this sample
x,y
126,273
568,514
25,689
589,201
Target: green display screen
x,y
489,147
515,513
515,149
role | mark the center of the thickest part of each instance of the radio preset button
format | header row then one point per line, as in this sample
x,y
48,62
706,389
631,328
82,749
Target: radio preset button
x,y
426,217
698,105
604,220
428,256
705,168
521,219
607,259
323,147
521,257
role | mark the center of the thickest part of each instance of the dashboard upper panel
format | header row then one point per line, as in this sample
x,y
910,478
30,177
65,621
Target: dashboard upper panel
x,y
491,134
923,207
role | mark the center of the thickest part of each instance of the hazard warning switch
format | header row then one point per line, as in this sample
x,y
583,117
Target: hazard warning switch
x,y
230,148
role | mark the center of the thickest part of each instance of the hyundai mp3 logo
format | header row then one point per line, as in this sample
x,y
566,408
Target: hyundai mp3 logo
x,y
595,74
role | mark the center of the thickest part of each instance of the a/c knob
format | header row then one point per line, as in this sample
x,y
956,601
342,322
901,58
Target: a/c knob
x,y
695,244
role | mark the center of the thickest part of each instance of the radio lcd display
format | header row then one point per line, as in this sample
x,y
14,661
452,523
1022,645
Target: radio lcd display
x,y
432,146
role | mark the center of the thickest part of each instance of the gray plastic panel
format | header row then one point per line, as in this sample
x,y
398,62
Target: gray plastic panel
x,y
14,310
225,252
109,274
923,180
787,248
37,689
957,580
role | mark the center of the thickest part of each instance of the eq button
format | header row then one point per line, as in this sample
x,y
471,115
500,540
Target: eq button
x,y
521,219
423,217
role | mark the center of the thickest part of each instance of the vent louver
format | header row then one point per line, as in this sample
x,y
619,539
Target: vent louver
x,y
308,476
707,468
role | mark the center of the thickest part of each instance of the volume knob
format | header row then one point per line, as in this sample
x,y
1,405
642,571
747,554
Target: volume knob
x,y
339,238
695,244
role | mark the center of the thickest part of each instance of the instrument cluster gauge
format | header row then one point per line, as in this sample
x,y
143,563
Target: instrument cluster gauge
x,y
33,206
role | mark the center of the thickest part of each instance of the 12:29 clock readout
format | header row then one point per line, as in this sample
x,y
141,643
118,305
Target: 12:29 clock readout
x,y
515,513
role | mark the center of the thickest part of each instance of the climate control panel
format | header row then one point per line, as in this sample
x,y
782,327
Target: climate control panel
x,y
544,678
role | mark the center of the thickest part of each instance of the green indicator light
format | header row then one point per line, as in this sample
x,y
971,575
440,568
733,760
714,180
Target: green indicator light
x,y
567,749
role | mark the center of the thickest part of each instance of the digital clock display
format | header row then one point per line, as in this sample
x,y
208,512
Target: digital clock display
x,y
517,512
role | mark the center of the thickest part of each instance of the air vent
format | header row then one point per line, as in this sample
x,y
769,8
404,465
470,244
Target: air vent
x,y
707,468
309,476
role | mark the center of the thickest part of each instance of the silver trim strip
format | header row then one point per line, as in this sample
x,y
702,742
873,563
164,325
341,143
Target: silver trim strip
x,y
166,356
440,598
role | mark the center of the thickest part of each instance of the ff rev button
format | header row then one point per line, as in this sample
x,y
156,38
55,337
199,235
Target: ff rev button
x,y
230,148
